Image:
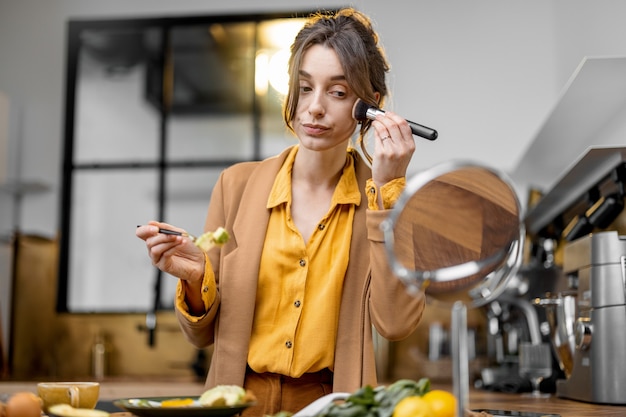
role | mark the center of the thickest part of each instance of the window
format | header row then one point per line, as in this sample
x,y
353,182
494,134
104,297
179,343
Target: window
x,y
155,109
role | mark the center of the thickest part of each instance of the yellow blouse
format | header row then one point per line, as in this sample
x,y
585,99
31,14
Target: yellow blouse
x,y
299,286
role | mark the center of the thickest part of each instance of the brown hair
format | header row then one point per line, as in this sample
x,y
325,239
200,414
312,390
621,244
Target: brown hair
x,y
350,34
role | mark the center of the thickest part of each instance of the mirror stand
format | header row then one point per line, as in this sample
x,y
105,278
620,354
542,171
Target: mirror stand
x,y
460,357
456,229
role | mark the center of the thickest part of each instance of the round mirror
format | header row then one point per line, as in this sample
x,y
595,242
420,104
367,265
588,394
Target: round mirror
x,y
457,233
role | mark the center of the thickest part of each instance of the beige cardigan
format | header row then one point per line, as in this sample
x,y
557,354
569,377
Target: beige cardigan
x,y
371,294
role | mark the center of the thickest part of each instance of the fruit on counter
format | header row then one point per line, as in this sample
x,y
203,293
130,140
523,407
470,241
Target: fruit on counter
x,y
66,410
23,404
226,395
376,402
442,403
413,406
403,398
209,240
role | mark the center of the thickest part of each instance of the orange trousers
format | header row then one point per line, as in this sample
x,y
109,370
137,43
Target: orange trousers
x,y
277,393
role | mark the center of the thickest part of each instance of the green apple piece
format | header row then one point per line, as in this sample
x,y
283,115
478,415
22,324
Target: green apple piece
x,y
220,236
209,240
222,395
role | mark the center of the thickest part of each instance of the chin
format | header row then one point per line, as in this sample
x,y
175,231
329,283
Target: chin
x,y
322,144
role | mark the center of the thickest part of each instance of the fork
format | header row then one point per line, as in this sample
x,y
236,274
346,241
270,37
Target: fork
x,y
175,233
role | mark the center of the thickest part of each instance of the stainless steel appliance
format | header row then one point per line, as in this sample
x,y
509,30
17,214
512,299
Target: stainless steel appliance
x,y
596,266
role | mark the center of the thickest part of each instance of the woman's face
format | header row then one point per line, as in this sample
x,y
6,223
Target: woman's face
x,y
323,118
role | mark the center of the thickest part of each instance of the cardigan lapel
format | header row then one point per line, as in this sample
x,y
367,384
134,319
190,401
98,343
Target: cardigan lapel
x,y
350,328
240,267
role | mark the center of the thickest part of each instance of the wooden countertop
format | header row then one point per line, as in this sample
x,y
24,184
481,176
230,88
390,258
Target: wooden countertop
x,y
113,390
479,399
554,405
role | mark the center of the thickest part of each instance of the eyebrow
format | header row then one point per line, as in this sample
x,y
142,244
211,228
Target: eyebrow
x,y
333,78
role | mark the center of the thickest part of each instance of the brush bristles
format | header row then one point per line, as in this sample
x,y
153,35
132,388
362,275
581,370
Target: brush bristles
x,y
359,111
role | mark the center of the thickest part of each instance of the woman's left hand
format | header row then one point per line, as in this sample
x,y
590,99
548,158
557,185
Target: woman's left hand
x,y
393,149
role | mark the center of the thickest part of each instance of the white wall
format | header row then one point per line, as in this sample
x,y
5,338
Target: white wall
x,y
484,73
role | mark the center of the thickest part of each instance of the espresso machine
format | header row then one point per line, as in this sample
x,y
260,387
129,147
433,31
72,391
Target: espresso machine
x,y
596,268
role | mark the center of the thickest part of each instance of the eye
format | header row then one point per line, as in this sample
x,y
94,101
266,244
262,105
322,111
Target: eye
x,y
305,88
338,91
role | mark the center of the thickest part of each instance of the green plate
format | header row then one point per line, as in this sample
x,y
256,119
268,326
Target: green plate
x,y
150,407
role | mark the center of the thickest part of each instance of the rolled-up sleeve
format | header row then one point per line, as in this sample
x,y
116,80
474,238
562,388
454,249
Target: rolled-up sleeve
x,y
209,292
389,192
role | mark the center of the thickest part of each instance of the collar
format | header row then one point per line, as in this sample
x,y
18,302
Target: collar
x,y
346,192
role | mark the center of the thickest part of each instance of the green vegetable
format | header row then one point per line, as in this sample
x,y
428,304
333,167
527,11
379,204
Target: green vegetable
x,y
376,402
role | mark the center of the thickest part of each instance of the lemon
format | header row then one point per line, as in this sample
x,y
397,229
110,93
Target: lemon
x,y
413,406
442,403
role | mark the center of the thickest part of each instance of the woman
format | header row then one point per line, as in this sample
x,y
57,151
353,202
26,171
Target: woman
x,y
290,300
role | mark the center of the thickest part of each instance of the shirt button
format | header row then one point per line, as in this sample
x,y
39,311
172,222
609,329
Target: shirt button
x,y
372,190
296,303
321,226
302,262
288,344
205,289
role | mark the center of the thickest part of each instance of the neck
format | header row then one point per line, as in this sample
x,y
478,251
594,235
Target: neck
x,y
318,168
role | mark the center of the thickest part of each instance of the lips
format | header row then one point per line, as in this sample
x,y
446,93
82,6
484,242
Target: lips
x,y
314,129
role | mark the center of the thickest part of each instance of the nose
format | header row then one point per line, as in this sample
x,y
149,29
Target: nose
x,y
316,105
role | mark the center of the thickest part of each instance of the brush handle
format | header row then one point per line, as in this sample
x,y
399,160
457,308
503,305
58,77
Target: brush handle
x,y
416,128
423,131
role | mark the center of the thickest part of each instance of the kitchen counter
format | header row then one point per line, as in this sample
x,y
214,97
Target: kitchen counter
x,y
111,390
554,405
114,389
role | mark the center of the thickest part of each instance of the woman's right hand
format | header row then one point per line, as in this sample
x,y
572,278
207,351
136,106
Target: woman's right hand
x,y
175,255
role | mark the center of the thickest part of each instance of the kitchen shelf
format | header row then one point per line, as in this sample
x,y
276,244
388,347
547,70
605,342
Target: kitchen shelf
x,y
570,196
590,111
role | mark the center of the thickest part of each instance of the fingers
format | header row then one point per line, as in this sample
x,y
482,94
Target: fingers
x,y
394,147
392,128
173,254
158,244
153,228
145,231
393,138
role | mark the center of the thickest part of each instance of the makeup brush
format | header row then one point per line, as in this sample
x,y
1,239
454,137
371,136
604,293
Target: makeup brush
x,y
363,111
